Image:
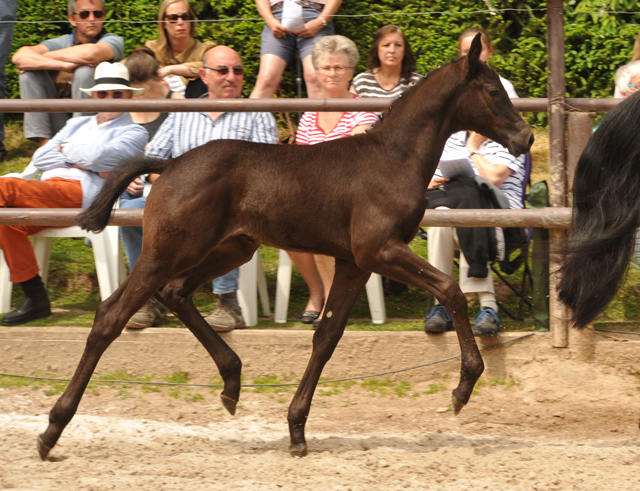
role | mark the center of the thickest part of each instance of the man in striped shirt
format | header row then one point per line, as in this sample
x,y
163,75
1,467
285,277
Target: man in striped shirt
x,y
491,161
223,75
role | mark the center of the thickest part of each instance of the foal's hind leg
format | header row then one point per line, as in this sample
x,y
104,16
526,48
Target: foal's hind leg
x,y
111,317
347,285
398,262
178,297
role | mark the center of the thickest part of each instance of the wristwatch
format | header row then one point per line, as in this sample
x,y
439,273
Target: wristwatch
x,y
324,22
475,152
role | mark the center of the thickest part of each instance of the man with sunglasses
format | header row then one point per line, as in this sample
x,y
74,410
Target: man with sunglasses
x,y
61,67
223,74
74,165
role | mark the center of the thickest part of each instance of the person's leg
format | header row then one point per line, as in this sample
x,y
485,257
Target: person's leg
x,y
8,10
311,79
82,79
305,46
132,236
271,69
486,322
274,56
327,268
306,264
40,126
14,242
227,315
441,245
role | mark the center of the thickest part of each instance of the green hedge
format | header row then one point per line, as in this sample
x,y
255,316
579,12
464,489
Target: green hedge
x,y
595,44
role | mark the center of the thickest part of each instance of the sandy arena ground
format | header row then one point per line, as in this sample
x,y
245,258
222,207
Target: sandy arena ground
x,y
555,425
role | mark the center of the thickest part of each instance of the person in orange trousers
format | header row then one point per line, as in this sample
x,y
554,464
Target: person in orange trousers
x,y
74,165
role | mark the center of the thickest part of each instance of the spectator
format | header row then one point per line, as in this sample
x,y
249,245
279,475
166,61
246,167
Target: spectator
x,y
62,67
627,80
179,54
278,43
223,74
505,175
334,59
74,164
8,9
464,42
391,65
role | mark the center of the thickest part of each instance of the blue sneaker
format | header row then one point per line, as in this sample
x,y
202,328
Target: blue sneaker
x,y
438,321
486,323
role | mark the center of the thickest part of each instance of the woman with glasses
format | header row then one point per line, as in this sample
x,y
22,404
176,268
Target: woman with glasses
x,y
391,65
179,54
334,59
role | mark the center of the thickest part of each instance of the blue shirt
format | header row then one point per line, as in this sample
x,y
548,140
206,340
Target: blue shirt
x,y
98,148
182,132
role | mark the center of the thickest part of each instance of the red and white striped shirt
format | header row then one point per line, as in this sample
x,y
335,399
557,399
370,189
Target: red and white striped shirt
x,y
309,133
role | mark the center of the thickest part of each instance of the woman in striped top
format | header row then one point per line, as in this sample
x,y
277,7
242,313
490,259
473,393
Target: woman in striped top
x,y
391,64
334,59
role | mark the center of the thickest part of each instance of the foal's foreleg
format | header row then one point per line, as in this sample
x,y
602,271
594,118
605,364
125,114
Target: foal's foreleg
x,y
401,264
347,285
178,297
111,317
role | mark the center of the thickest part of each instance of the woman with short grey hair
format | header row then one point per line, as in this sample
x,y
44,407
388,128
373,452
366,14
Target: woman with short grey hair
x,y
335,44
627,79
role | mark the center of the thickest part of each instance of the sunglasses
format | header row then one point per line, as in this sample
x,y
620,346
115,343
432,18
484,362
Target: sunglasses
x,y
237,70
117,94
84,14
173,18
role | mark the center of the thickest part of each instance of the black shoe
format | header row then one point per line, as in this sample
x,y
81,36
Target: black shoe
x,y
486,323
438,320
28,310
308,316
3,154
316,323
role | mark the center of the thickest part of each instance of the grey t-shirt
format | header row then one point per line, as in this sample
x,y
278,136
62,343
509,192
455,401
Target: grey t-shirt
x,y
66,41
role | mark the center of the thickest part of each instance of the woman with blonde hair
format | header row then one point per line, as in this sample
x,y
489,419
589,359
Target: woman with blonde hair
x,y
179,54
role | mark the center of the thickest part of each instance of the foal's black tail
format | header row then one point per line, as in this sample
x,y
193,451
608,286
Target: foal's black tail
x,y
96,217
606,211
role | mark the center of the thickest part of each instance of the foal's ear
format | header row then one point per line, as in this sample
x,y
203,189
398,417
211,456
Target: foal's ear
x,y
473,57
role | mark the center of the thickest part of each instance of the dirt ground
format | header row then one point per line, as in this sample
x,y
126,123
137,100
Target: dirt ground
x,y
556,425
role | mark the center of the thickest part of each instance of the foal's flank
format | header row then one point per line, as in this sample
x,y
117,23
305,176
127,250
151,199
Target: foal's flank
x,y
358,199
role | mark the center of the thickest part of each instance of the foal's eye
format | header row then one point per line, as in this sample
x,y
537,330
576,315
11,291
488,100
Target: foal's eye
x,y
493,92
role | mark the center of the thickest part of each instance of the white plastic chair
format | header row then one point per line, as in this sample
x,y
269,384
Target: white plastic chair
x,y
106,251
252,281
375,293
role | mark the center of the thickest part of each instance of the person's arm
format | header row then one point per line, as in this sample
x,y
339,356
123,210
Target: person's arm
x,y
361,128
83,54
49,156
496,174
277,29
105,155
437,182
30,58
314,26
180,70
364,121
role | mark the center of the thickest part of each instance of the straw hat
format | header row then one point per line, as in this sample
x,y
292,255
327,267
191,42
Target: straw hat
x,y
111,76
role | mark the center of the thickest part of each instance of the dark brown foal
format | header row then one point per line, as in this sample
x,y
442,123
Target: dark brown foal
x,y
359,199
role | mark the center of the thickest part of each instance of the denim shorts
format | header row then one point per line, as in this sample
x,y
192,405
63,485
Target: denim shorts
x,y
286,46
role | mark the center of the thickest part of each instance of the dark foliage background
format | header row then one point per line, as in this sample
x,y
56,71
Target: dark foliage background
x,y
596,44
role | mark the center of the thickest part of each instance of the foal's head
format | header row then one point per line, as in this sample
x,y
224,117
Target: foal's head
x,y
484,106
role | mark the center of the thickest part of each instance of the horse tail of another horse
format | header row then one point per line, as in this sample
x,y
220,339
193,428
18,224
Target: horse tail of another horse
x,y
96,217
606,211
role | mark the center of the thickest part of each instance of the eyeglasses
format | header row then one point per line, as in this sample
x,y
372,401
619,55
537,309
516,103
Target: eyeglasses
x,y
116,94
173,18
338,69
237,70
84,14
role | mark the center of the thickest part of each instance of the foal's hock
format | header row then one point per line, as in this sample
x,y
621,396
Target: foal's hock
x,y
359,199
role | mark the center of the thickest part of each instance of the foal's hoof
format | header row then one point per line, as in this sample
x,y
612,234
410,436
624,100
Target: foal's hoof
x,y
43,449
229,404
456,405
298,450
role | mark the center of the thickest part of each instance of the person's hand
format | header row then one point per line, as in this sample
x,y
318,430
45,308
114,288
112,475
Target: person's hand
x,y
69,67
474,141
437,182
104,175
310,29
277,29
164,71
135,188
